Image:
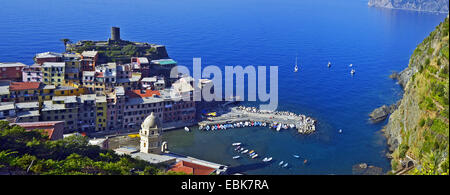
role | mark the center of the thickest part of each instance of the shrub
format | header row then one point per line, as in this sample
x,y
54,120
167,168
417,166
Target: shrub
x,y
422,122
403,148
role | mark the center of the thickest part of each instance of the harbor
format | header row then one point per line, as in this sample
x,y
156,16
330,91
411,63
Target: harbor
x,y
241,116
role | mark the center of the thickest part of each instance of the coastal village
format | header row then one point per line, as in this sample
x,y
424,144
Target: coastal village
x,y
110,90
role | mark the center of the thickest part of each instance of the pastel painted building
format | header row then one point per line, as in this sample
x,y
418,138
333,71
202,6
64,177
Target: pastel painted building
x,y
62,108
11,71
139,105
101,113
41,58
32,73
53,73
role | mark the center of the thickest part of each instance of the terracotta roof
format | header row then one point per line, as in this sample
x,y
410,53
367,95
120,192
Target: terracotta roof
x,y
192,168
141,93
47,126
17,86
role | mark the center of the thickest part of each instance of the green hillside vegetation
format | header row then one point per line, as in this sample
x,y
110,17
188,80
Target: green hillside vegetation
x,y
30,152
428,141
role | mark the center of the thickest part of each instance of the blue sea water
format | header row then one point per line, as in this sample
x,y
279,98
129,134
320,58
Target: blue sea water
x,y
255,32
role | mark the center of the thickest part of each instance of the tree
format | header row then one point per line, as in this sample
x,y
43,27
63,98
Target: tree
x,y
65,41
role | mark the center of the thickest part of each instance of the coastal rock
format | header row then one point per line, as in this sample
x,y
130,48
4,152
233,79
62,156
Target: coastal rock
x,y
416,5
365,169
381,113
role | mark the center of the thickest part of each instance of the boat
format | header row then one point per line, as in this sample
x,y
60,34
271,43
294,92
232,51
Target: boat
x,y
285,165
236,157
351,65
237,148
254,156
251,151
279,127
236,144
281,163
340,130
200,127
296,156
245,151
305,161
186,129
296,67
267,159
329,64
352,71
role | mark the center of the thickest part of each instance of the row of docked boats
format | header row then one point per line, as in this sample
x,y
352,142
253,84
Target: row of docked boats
x,y
279,126
253,154
232,125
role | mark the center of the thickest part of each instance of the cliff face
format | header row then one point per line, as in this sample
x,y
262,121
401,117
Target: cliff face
x,y
418,5
419,127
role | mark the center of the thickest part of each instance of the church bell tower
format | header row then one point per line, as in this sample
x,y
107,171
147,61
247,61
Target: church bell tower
x,y
150,134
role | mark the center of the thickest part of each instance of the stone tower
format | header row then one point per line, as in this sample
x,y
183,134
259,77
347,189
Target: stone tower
x,y
150,134
115,34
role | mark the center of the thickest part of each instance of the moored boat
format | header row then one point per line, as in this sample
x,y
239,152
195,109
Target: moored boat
x,y
281,163
236,144
236,157
186,129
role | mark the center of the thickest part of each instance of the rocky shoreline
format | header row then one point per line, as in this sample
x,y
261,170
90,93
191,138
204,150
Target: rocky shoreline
x,y
440,6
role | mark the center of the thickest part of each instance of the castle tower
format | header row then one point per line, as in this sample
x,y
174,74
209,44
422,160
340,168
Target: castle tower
x,y
150,134
115,34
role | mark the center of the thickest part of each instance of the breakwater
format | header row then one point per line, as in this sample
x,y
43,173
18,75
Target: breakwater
x,y
241,116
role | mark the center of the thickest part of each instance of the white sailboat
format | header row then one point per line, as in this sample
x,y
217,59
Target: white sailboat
x,y
296,67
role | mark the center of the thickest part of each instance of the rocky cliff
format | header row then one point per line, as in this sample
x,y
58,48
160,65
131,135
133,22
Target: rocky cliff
x,y
419,127
417,5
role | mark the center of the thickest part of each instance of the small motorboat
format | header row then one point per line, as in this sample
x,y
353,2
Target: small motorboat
x,y
295,67
200,127
236,157
245,151
237,148
351,65
251,151
285,165
236,144
281,163
254,156
329,64
296,156
305,161
340,130
267,159
186,129
352,71
279,127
